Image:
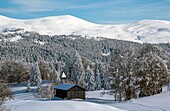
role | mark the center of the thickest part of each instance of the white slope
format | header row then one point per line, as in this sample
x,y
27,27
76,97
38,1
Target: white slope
x,y
159,102
27,102
15,39
100,94
150,31
24,101
62,106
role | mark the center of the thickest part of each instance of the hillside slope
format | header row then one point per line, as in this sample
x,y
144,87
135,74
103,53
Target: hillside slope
x,y
150,31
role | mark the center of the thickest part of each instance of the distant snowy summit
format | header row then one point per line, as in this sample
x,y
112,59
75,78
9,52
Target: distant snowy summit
x,y
149,31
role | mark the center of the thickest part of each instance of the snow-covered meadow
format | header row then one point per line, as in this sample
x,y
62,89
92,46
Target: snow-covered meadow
x,y
159,102
26,101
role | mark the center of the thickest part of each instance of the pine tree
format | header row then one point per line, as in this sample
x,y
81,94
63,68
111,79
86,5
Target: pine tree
x,y
77,68
89,79
98,81
35,77
116,73
102,70
28,86
39,79
97,77
82,80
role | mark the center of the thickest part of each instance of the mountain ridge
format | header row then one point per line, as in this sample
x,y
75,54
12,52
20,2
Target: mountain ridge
x,y
144,31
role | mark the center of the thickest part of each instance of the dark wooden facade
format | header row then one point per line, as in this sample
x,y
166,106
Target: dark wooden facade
x,y
70,93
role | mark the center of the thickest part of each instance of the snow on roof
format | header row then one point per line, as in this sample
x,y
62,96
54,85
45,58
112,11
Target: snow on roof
x,y
64,86
63,75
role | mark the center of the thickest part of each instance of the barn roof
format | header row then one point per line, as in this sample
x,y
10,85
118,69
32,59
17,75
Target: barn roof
x,y
64,86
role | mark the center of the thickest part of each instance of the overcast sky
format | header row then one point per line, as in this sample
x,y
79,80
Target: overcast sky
x,y
97,11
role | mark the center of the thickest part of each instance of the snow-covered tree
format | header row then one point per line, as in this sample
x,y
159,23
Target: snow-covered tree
x,y
107,78
129,80
97,77
77,68
53,74
13,71
121,69
35,77
103,71
49,91
82,80
89,79
43,66
116,73
28,86
152,70
58,65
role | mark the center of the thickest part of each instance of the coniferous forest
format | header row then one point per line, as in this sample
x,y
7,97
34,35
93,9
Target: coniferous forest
x,y
126,68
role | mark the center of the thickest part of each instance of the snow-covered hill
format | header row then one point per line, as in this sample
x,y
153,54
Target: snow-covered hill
x,y
150,31
158,102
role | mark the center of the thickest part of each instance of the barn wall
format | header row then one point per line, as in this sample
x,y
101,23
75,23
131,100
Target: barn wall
x,y
76,92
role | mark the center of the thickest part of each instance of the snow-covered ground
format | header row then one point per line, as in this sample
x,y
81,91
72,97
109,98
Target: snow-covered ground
x,y
61,106
95,101
24,101
39,42
15,39
159,102
150,31
100,94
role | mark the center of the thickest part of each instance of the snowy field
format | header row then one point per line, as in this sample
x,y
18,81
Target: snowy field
x,y
94,101
27,102
159,102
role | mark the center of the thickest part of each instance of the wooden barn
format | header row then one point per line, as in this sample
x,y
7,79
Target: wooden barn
x,y
69,91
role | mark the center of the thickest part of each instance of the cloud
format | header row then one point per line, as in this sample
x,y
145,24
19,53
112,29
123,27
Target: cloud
x,y
33,5
51,5
8,10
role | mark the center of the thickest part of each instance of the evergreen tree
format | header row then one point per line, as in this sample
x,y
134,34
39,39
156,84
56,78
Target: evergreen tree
x,y
89,79
116,72
82,79
28,86
35,77
97,77
77,68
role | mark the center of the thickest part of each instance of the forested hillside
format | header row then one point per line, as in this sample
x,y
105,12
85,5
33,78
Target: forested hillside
x,y
96,63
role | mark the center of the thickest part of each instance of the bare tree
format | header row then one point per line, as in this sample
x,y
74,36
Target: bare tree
x,y
4,94
13,71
